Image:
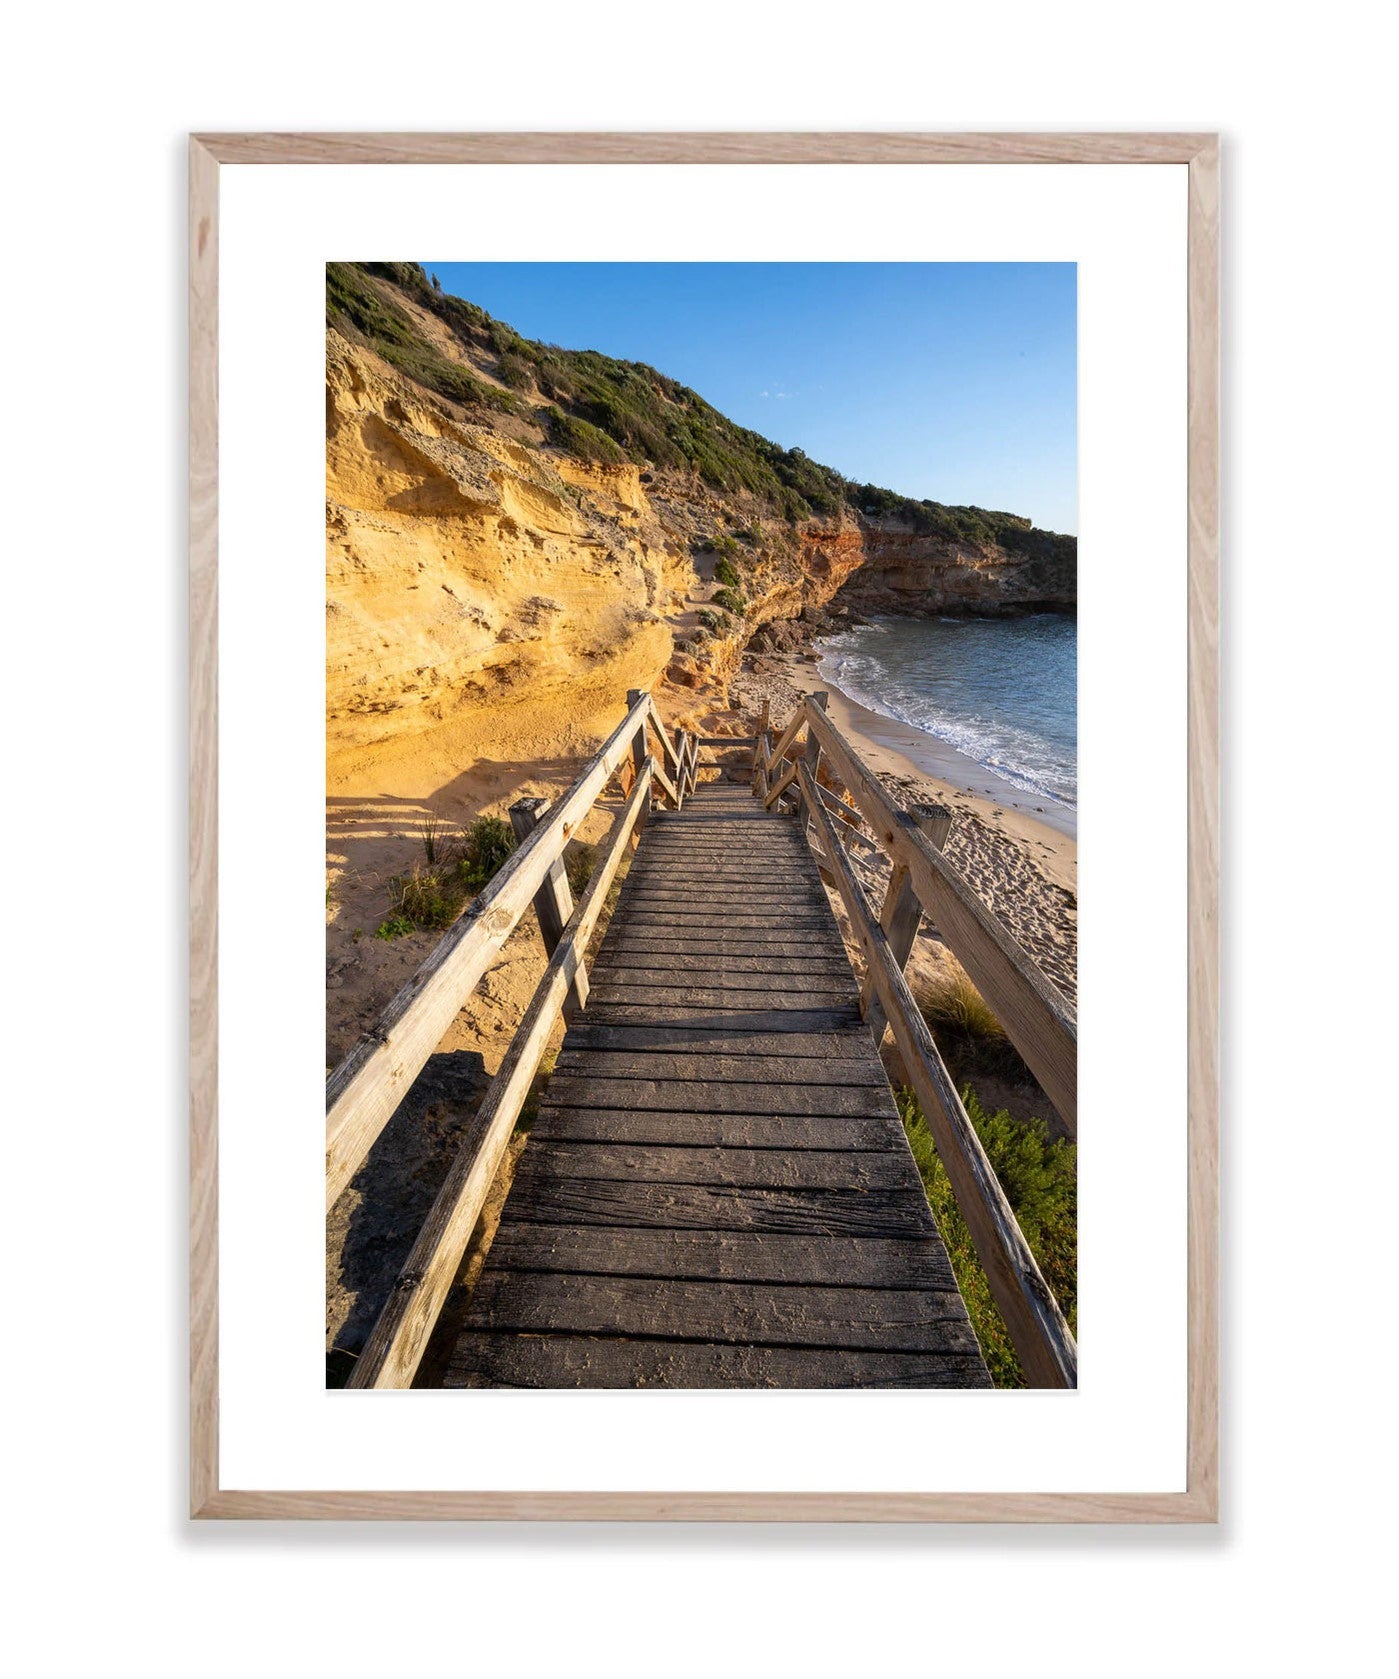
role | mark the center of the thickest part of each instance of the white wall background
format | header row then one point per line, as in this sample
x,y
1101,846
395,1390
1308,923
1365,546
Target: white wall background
x,y
100,99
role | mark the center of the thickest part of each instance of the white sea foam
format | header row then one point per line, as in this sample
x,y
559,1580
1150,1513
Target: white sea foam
x,y
1003,692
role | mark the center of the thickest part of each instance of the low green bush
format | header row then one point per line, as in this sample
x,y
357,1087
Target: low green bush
x,y
727,574
485,846
1039,1175
430,898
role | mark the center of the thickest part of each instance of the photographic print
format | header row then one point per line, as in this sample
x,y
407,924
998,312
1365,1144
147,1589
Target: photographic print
x,y
701,825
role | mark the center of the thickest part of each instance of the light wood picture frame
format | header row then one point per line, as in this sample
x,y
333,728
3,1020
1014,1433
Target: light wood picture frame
x,y
1199,153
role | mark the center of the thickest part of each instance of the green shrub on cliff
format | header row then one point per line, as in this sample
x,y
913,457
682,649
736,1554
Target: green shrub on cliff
x,y
351,301
607,410
580,438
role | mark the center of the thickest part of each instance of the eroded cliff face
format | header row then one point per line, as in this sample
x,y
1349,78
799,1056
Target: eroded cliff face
x,y
490,595
474,584
903,571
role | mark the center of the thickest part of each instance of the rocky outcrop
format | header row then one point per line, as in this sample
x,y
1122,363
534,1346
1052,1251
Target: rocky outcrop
x,y
903,571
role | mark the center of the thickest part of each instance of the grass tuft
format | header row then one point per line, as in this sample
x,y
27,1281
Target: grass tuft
x,y
431,898
433,830
485,846
971,1039
579,862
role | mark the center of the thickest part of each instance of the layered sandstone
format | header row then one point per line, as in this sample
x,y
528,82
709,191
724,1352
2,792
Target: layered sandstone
x,y
475,586
491,594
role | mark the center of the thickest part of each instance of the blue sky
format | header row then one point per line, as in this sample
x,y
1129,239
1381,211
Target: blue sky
x,y
953,381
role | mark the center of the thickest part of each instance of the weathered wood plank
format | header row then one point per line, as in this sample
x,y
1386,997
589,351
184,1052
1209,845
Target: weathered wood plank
x,y
853,1042
719,997
716,1068
723,1018
864,1132
727,1256
697,961
797,942
721,913
632,977
647,925
627,956
560,1361
730,1168
547,1199
791,895
658,724
708,840
708,886
666,1095
553,902
767,1314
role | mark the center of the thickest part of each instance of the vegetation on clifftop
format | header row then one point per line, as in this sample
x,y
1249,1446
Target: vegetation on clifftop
x,y
608,411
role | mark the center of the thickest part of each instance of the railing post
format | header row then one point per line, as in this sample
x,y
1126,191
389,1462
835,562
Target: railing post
x,y
691,741
553,902
902,911
812,760
762,729
638,758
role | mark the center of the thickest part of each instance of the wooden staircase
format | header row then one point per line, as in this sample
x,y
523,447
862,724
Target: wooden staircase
x,y
717,1191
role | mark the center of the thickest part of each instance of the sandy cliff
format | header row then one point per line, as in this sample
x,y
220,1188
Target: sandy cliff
x,y
476,590
499,572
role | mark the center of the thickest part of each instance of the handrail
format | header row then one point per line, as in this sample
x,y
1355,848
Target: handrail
x,y
758,734
396,1345
657,723
788,737
760,773
780,786
1037,1327
851,819
365,1089
666,785
1036,1016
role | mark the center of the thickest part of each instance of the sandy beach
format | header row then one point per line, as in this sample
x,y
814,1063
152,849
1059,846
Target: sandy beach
x,y
1020,856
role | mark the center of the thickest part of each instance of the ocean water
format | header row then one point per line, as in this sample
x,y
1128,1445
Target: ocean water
x,y
1001,691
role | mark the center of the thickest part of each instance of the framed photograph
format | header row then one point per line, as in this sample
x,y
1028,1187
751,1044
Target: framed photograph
x,y
668,611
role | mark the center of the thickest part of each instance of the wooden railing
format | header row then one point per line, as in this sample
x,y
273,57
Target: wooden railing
x,y
365,1089
1037,1018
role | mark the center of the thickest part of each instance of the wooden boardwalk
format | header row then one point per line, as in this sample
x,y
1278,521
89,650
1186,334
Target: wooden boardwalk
x,y
717,1191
